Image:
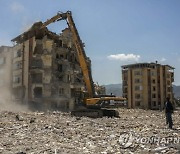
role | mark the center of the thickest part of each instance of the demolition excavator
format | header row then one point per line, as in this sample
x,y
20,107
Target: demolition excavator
x,y
94,105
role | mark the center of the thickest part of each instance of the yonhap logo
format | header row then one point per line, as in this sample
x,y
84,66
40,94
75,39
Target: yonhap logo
x,y
126,140
129,139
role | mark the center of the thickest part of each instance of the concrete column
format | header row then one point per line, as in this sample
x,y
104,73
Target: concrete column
x,y
161,86
145,88
129,89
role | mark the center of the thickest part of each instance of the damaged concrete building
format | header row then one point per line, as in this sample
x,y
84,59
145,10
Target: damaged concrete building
x,y
46,71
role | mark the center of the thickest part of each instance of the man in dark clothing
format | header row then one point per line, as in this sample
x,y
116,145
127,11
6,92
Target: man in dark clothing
x,y
168,111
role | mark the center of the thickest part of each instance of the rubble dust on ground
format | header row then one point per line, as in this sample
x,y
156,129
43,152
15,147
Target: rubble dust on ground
x,y
136,131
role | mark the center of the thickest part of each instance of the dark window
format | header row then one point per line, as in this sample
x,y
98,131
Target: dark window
x,y
60,78
153,73
138,103
137,96
58,43
19,53
154,103
36,63
153,95
137,73
169,89
17,65
61,91
137,80
57,56
125,83
61,56
168,82
54,91
138,88
16,79
60,67
38,49
153,81
36,78
125,90
38,92
65,45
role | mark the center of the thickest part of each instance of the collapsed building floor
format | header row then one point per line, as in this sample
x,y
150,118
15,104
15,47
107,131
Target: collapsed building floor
x,y
46,71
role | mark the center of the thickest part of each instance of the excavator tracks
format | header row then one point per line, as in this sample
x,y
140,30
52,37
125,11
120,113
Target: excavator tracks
x,y
95,113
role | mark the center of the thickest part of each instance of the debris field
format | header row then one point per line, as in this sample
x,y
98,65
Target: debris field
x,y
59,132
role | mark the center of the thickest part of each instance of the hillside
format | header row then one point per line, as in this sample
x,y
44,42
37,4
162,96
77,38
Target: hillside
x,y
176,90
115,89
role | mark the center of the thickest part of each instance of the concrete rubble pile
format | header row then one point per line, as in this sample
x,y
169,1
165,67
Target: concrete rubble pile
x,y
58,132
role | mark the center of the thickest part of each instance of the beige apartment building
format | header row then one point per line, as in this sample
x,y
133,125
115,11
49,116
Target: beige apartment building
x,y
147,85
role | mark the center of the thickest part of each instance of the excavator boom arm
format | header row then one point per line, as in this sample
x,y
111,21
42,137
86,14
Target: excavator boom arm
x,y
86,70
59,16
79,47
92,100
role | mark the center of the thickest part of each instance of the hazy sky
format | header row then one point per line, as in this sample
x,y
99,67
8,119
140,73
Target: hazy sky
x,y
115,32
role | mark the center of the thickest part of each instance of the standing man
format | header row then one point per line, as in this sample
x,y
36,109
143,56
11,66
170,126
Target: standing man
x,y
168,111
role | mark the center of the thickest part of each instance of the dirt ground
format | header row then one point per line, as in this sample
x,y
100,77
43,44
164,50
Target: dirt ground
x,y
136,131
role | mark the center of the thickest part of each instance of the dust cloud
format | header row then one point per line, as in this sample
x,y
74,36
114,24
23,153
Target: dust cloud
x,y
6,82
6,103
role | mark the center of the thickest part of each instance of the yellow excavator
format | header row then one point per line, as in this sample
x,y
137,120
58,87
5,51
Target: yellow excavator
x,y
94,105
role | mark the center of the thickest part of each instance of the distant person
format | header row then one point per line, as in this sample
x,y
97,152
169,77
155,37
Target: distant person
x,y
168,111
